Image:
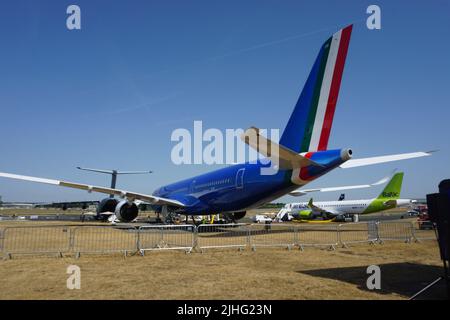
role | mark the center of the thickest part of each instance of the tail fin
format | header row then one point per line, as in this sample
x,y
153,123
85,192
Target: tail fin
x,y
393,188
309,126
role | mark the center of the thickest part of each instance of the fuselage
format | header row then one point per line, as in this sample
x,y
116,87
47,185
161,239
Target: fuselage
x,y
241,187
362,206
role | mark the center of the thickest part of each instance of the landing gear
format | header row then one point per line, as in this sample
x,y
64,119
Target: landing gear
x,y
229,218
167,216
233,217
195,222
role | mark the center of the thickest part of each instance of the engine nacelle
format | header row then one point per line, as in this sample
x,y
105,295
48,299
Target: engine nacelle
x,y
107,205
126,212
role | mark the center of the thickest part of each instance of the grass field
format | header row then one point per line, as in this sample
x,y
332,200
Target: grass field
x,y
228,274
268,273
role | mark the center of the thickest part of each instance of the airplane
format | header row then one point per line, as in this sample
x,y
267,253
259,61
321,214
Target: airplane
x,y
387,199
83,204
302,156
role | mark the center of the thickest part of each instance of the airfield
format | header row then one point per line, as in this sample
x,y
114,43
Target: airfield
x,y
74,215
265,274
227,273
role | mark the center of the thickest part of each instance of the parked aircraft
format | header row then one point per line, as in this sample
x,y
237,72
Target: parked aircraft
x,y
302,156
387,199
100,204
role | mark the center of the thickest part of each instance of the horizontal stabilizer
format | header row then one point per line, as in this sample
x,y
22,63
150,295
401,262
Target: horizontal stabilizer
x,y
302,192
352,163
288,159
113,171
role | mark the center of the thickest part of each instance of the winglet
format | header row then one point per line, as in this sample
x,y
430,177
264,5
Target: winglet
x,y
352,163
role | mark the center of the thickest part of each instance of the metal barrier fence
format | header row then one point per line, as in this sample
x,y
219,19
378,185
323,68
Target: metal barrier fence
x,y
423,232
105,239
272,235
401,231
163,237
28,240
221,236
317,236
359,232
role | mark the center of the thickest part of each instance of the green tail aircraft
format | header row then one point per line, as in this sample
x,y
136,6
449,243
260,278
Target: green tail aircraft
x,y
389,198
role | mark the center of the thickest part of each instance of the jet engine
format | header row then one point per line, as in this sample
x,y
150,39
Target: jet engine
x,y
123,210
107,205
126,211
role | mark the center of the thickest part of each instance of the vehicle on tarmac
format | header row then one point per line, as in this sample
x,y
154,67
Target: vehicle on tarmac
x,y
413,213
261,218
424,222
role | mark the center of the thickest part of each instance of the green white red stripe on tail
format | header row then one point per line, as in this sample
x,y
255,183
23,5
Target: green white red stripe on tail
x,y
309,126
327,91
330,89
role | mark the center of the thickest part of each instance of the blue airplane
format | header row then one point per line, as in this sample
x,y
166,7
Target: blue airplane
x,y
301,156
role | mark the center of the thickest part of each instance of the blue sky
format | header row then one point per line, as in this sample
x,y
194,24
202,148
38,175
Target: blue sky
x,y
109,95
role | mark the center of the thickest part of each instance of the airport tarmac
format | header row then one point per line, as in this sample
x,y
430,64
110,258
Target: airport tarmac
x,y
76,215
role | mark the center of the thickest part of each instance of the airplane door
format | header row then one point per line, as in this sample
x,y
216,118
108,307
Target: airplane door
x,y
192,187
240,178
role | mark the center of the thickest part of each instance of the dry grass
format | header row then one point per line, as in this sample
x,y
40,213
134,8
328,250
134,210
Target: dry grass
x,y
267,273
228,274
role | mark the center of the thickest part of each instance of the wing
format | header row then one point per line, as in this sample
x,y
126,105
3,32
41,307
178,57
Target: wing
x,y
121,193
352,163
315,208
302,192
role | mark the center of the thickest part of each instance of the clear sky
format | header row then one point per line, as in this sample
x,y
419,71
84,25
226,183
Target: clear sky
x,y
110,95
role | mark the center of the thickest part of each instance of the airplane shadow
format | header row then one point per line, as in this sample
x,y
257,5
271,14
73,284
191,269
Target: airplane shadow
x,y
402,278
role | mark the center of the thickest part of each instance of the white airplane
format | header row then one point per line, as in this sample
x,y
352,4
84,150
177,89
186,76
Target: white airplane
x,y
388,199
